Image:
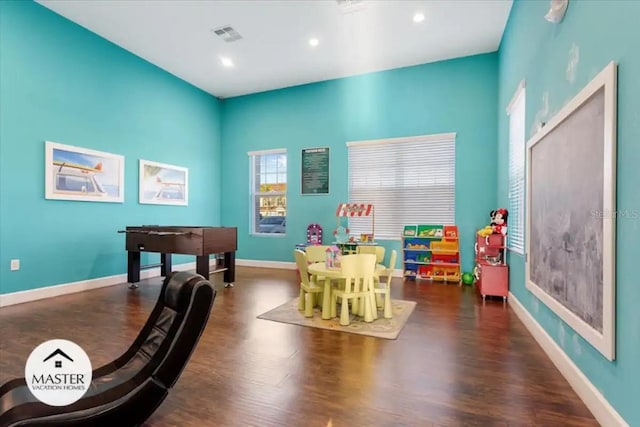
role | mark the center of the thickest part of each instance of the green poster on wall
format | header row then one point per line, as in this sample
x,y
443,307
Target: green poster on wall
x,y
315,171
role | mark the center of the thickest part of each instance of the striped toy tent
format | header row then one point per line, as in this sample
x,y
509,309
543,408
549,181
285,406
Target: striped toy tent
x,y
357,210
354,209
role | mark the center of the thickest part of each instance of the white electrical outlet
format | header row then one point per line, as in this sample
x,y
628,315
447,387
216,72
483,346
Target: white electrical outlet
x,y
15,264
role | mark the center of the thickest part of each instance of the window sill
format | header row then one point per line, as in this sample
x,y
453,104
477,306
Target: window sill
x,y
274,235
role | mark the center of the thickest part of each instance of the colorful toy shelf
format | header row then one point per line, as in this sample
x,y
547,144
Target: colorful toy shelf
x,y
431,252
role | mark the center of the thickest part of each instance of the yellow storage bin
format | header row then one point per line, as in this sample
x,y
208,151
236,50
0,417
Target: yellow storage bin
x,y
444,246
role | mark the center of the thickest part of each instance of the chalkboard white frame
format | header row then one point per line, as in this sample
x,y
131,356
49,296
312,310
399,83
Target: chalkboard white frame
x,y
603,341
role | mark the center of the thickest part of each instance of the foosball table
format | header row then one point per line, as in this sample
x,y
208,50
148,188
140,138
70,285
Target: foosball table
x,y
186,240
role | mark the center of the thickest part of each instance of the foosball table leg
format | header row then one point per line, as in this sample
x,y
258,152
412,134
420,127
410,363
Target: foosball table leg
x,y
230,269
133,269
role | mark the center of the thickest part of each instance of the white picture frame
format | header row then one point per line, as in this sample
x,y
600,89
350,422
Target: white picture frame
x,y
580,148
81,174
163,184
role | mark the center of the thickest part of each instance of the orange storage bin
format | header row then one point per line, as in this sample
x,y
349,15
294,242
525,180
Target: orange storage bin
x,y
444,246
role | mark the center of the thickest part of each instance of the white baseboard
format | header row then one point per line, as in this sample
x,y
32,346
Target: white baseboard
x,y
83,285
283,265
602,410
101,282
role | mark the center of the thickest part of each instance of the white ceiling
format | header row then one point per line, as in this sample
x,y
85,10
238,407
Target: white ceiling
x,y
274,51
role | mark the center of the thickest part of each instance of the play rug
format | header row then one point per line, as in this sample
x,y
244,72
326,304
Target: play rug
x,y
380,328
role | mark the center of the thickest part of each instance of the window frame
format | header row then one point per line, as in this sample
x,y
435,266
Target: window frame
x,y
254,195
516,172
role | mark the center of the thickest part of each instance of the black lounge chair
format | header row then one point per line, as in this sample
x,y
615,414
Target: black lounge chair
x,y
128,390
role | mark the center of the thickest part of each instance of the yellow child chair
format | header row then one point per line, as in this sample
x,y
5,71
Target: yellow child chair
x,y
308,288
317,253
384,288
377,250
358,271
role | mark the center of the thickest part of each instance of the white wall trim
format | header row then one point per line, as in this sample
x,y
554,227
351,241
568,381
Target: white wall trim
x,y
516,95
270,151
283,265
421,138
602,410
82,285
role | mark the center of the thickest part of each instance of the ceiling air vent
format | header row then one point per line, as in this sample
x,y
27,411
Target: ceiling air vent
x,y
350,6
227,33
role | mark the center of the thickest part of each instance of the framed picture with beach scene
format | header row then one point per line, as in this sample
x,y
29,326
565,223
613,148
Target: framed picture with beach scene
x,y
81,174
162,184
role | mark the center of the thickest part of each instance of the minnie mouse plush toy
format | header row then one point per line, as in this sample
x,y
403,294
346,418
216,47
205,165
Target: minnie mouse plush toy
x,y
499,221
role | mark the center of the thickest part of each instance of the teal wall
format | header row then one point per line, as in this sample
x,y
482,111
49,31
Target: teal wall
x,y
537,51
60,82
452,96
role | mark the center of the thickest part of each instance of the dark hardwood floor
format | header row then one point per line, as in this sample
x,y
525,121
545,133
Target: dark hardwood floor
x,y
457,362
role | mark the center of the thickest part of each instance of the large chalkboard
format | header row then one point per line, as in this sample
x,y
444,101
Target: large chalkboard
x,y
571,213
315,170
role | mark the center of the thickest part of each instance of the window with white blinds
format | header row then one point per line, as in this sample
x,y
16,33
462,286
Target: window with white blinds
x,y
408,181
515,221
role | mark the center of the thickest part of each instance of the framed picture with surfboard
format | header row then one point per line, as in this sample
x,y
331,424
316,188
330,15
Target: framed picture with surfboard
x,y
82,174
163,184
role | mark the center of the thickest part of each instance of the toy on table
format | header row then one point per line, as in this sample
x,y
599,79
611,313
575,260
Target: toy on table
x,y
332,257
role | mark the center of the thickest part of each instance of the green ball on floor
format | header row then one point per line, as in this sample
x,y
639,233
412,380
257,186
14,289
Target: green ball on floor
x,y
467,279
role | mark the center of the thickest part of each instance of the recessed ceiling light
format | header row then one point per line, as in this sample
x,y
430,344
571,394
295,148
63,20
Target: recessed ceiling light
x,y
418,17
314,42
226,61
